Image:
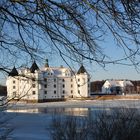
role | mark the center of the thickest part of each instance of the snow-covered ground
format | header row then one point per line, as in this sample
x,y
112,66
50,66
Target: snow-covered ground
x,y
31,121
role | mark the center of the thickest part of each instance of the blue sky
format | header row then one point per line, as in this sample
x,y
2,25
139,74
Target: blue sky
x,y
111,71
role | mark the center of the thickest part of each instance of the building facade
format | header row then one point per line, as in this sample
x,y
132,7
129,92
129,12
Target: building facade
x,y
48,83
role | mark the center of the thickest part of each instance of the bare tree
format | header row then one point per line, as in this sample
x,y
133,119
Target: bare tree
x,y
74,29
116,124
67,128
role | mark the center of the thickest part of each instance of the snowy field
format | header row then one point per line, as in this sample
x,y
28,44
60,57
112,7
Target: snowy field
x,y
31,121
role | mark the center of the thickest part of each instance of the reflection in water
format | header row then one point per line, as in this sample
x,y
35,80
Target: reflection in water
x,y
34,110
60,111
67,111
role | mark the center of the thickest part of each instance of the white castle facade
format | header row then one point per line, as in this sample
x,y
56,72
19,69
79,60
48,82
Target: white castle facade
x,y
49,83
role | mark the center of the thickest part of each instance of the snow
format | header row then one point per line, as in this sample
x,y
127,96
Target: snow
x,y
31,121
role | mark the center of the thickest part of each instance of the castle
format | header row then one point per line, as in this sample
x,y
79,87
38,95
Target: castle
x,y
49,83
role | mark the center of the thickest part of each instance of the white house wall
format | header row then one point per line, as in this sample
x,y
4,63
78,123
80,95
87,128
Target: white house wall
x,y
81,85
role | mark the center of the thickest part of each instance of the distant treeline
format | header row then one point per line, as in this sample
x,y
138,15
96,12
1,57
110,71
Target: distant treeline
x,y
3,90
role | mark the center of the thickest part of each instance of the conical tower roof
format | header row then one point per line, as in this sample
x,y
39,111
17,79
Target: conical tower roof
x,y
13,72
82,70
34,67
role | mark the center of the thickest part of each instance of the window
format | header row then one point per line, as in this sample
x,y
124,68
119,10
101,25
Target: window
x,y
88,80
71,80
71,85
54,80
63,80
45,92
54,91
33,79
14,82
78,80
54,86
79,91
63,91
63,85
45,79
14,87
45,86
14,93
33,92
33,85
78,85
71,91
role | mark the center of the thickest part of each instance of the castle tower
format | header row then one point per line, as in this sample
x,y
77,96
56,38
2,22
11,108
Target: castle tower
x,y
82,83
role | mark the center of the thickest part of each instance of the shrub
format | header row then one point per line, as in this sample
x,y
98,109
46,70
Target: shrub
x,y
117,124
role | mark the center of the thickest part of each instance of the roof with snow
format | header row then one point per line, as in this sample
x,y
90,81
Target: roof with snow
x,y
57,71
115,83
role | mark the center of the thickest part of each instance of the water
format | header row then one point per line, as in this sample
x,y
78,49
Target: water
x,y
33,121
